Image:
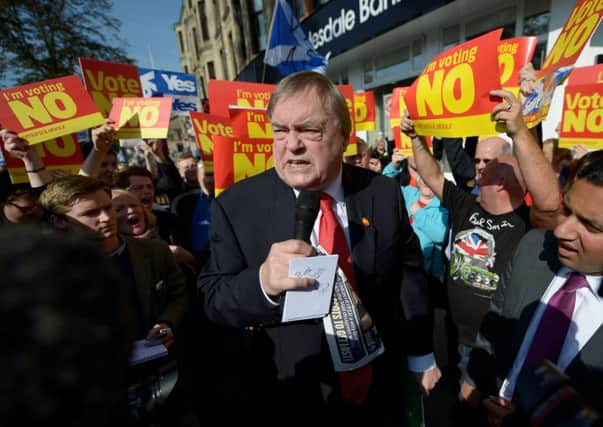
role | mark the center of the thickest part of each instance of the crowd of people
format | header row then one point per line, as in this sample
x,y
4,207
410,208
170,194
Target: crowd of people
x,y
509,243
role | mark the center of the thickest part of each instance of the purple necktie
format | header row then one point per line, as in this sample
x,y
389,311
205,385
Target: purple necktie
x,y
555,321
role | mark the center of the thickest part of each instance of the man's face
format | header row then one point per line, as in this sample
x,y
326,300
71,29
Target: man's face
x,y
188,170
107,169
580,230
485,152
22,210
142,187
95,212
375,165
361,159
308,143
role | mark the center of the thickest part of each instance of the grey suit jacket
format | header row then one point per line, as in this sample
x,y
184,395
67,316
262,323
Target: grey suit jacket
x,y
526,278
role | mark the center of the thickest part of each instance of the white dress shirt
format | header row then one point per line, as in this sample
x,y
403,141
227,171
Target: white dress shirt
x,y
587,318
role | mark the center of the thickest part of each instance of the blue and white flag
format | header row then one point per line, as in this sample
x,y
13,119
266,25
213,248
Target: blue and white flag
x,y
181,87
289,48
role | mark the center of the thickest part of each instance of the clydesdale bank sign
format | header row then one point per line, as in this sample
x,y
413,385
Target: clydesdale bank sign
x,y
340,25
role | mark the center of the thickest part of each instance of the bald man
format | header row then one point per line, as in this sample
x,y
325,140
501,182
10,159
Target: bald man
x,y
486,230
467,163
487,150
363,156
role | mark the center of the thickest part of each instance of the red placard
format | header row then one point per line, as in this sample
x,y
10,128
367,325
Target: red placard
x,y
348,93
513,54
451,97
582,118
252,123
141,117
207,126
45,110
238,158
61,153
579,27
364,110
224,93
107,80
586,75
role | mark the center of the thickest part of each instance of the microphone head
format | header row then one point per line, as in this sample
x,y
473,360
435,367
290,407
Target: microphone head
x,y
306,210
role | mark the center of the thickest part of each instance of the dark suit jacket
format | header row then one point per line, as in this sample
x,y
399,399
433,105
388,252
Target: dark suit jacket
x,y
528,275
292,359
159,282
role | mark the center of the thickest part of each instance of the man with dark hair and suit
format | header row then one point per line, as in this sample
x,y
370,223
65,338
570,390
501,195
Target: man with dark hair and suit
x,y
285,369
549,304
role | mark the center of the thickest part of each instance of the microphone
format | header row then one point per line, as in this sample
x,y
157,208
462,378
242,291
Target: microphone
x,y
306,210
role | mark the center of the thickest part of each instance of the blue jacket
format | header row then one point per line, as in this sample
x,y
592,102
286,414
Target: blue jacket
x,y
430,224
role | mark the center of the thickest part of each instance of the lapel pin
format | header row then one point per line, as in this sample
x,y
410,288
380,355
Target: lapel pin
x,y
365,221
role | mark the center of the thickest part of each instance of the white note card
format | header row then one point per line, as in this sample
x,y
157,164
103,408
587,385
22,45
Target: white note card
x,y
315,302
142,353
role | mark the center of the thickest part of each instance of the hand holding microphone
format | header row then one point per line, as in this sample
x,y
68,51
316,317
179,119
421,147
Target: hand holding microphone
x,y
274,271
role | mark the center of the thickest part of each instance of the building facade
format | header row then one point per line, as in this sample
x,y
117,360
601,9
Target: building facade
x,y
216,39
374,44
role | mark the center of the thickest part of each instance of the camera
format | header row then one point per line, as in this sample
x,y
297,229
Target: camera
x,y
545,397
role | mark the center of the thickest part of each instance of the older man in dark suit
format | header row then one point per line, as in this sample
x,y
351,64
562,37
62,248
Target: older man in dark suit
x,y
285,369
549,304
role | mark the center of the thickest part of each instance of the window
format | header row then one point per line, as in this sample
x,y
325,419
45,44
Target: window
x,y
236,10
195,42
393,58
504,18
299,8
211,71
536,25
232,53
259,24
203,20
418,59
368,72
539,55
181,41
450,37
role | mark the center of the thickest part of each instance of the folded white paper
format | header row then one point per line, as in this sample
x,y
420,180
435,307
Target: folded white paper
x,y
315,302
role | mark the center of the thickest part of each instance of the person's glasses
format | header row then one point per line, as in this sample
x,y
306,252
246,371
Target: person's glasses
x,y
305,133
25,209
477,161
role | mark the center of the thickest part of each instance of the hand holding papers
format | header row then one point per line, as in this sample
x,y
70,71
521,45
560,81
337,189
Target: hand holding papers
x,y
141,352
316,302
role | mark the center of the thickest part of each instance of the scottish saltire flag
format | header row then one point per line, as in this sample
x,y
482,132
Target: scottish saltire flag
x,y
288,48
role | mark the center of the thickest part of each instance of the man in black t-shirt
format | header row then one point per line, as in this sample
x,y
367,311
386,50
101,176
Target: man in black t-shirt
x,y
485,231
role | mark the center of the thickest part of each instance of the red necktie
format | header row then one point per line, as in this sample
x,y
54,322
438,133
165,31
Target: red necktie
x,y
552,328
354,384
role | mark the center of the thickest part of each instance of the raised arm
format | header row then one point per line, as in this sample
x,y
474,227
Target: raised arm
x,y
427,167
102,140
537,172
34,166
